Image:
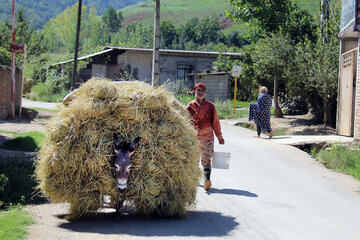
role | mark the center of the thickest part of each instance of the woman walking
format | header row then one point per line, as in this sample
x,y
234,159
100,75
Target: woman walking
x,y
260,112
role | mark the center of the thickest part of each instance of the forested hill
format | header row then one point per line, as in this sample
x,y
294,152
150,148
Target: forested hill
x,y
41,11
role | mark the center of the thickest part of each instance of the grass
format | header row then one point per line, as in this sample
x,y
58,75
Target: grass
x,y
239,104
13,223
179,12
340,158
28,142
40,92
185,98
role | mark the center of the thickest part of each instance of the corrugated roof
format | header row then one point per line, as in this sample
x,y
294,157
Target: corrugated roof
x,y
85,57
175,51
150,50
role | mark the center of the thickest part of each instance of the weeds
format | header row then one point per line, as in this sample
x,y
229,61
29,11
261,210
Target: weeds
x,y
13,223
340,158
16,182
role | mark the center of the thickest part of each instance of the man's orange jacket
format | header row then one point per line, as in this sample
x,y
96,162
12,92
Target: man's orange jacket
x,y
205,120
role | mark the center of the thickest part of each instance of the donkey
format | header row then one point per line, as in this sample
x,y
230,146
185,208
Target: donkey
x,y
122,162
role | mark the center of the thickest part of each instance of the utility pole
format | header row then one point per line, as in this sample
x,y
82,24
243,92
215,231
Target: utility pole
x,y
324,19
76,45
13,62
155,61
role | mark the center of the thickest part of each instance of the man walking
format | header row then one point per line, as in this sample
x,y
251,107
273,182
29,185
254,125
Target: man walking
x,y
206,122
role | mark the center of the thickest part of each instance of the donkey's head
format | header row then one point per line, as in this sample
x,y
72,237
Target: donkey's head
x,y
122,163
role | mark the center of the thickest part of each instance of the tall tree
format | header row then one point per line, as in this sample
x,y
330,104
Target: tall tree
x,y
270,16
167,34
271,61
112,20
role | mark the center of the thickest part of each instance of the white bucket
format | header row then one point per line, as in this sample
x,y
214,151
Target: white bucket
x,y
221,160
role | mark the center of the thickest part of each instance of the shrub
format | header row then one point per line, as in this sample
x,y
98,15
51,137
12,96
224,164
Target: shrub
x,y
223,108
295,106
28,84
178,87
16,182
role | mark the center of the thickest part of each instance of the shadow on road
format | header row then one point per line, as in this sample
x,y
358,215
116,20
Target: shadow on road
x,y
196,224
231,192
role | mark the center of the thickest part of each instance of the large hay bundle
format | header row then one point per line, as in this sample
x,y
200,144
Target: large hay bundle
x,y
75,161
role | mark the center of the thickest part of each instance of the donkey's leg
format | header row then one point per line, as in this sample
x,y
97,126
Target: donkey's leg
x,y
119,206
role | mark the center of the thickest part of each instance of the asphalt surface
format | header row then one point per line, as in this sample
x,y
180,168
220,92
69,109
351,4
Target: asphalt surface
x,y
271,191
30,103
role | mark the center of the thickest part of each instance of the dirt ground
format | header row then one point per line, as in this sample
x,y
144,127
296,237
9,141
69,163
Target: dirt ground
x,y
295,125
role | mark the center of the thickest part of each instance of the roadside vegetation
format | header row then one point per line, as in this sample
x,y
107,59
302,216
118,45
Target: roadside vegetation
x,y
28,142
13,223
342,158
17,188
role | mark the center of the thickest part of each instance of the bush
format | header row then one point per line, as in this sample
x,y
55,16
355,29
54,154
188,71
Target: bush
x,y
223,108
178,87
16,182
28,84
295,106
42,92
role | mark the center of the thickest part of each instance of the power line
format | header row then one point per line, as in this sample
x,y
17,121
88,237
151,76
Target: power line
x,y
332,13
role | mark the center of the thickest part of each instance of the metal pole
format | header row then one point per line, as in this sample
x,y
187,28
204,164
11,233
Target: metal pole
x,y
76,45
13,62
155,62
235,93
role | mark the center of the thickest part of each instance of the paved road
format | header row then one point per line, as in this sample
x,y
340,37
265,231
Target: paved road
x,y
271,191
46,105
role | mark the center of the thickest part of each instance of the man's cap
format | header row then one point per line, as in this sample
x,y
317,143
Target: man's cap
x,y
199,85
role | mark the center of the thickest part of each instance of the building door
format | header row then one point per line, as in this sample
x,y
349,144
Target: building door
x,y
346,93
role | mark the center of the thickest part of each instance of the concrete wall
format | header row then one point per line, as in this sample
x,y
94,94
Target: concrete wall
x,y
357,101
99,70
141,61
169,63
5,91
217,85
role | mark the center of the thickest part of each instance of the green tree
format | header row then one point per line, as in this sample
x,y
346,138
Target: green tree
x,y
270,16
112,20
271,58
314,77
167,34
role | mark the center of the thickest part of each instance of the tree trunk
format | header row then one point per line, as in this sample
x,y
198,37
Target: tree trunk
x,y
278,113
327,111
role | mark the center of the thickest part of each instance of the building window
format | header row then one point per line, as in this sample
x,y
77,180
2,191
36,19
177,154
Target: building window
x,y
183,71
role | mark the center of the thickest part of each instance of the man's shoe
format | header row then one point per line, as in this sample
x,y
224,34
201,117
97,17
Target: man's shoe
x,y
207,185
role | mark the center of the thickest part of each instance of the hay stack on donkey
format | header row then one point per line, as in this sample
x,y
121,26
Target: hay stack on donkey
x,y
125,140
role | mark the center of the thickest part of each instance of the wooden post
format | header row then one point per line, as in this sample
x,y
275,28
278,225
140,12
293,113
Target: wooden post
x,y
22,81
155,61
235,93
76,45
13,62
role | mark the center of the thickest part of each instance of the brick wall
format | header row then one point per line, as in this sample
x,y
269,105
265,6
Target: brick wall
x,y
357,102
5,91
217,85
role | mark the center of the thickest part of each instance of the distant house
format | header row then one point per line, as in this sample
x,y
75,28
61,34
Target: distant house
x,y
348,113
117,62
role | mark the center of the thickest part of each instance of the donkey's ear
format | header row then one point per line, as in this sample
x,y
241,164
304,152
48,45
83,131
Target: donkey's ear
x,y
116,141
134,144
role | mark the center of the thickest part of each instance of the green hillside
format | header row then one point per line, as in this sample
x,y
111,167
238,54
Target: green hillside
x,y
181,11
42,10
